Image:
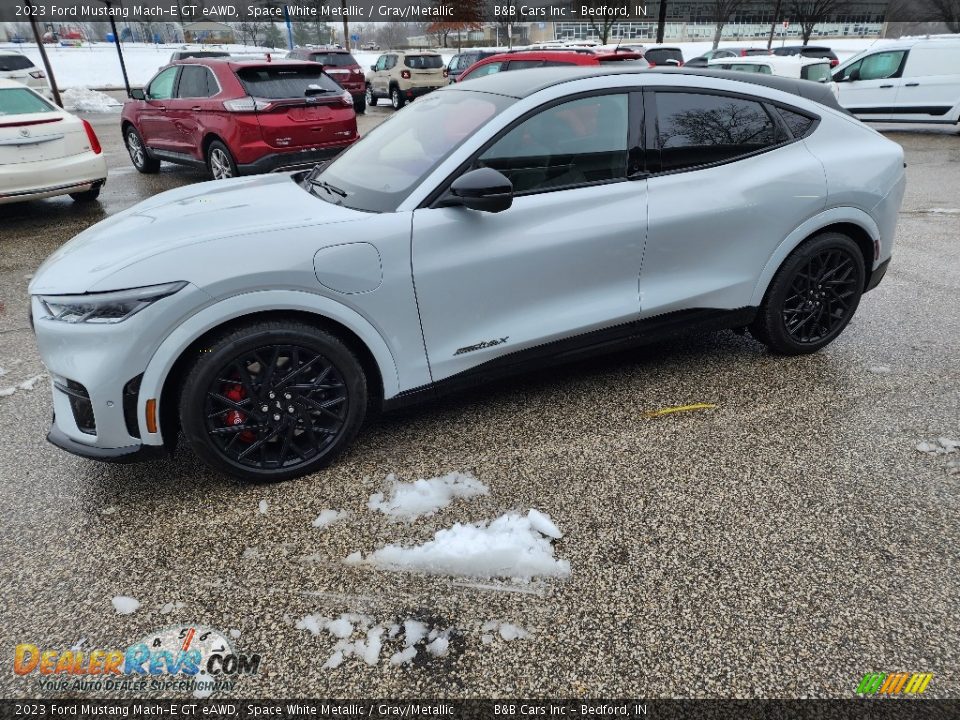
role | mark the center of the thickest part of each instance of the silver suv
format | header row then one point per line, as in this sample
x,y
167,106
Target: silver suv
x,y
403,76
516,220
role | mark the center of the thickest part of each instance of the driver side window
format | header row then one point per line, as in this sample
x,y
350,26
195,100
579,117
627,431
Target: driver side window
x,y
576,142
382,62
880,66
161,87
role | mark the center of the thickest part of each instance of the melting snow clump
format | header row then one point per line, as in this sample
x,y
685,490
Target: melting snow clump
x,y
408,501
512,546
326,518
125,605
942,446
262,507
508,631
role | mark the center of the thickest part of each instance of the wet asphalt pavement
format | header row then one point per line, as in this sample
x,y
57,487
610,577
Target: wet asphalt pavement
x,y
782,544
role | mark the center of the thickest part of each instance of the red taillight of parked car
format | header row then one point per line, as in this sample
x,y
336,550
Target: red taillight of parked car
x,y
38,74
446,72
346,98
247,104
405,74
834,62
92,137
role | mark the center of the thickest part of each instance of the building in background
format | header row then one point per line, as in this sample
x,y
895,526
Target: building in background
x,y
207,32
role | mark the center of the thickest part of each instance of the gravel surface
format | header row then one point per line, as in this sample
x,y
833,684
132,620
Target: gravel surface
x,y
781,544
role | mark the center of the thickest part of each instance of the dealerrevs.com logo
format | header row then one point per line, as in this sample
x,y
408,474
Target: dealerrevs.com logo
x,y
180,658
894,683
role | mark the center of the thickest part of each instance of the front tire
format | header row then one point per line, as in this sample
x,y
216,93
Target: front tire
x,y
220,161
812,297
370,97
311,384
396,98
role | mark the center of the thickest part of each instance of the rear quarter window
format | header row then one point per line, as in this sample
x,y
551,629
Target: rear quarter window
x,y
277,82
334,59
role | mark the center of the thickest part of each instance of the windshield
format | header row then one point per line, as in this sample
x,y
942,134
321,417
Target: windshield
x,y
377,173
277,82
334,59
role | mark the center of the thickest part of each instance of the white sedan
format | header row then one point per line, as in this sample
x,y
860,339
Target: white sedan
x,y
44,150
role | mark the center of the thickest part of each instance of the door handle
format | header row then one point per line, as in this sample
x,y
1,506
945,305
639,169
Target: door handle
x,y
912,84
885,86
161,108
196,108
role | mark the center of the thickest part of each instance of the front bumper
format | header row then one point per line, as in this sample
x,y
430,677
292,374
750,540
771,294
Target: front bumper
x,y
291,160
129,454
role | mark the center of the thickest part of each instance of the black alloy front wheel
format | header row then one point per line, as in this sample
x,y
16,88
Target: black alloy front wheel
x,y
273,400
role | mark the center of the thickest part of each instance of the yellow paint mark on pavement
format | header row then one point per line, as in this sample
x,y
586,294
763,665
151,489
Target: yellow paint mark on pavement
x,y
677,409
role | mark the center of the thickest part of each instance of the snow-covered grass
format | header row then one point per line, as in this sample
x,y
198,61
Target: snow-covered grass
x,y
511,546
408,501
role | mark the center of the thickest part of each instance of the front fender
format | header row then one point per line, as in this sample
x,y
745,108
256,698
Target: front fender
x,y
818,222
237,306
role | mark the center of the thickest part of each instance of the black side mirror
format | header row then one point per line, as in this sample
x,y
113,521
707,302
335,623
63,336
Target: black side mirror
x,y
373,67
137,94
482,189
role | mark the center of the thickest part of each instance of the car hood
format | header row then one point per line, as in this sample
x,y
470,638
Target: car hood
x,y
186,216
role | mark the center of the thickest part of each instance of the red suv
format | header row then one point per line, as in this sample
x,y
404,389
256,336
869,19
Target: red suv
x,y
238,116
523,59
341,66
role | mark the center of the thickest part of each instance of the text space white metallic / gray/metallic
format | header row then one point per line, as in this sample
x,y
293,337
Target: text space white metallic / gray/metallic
x,y
519,219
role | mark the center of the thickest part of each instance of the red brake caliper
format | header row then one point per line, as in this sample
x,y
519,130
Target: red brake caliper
x,y
235,417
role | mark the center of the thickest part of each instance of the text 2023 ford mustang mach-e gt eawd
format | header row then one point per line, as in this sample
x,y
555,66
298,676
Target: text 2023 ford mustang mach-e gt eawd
x,y
516,219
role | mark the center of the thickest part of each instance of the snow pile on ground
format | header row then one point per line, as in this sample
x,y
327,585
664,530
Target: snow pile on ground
x,y
408,501
326,518
358,636
511,546
27,384
941,446
87,100
125,605
507,631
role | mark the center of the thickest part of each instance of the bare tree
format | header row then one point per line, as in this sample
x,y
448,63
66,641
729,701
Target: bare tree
x,y
723,10
946,11
600,24
774,22
810,13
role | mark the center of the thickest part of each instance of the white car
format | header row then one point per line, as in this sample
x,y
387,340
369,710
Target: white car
x,y
914,80
17,66
791,66
44,150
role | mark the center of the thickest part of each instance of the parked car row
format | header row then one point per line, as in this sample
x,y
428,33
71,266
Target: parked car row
x,y
17,66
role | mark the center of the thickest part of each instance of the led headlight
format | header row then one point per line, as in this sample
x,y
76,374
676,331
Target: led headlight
x,y
107,307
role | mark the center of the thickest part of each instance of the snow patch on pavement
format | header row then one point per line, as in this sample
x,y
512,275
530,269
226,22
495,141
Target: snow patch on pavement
x,y
511,546
507,631
940,446
125,605
408,501
263,507
326,518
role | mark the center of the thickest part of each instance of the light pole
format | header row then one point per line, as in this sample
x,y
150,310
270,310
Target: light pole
x,y
43,54
116,39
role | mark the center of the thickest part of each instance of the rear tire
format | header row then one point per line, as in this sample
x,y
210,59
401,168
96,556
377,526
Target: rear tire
x,y
397,100
371,98
311,384
87,195
360,104
220,161
138,152
812,297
